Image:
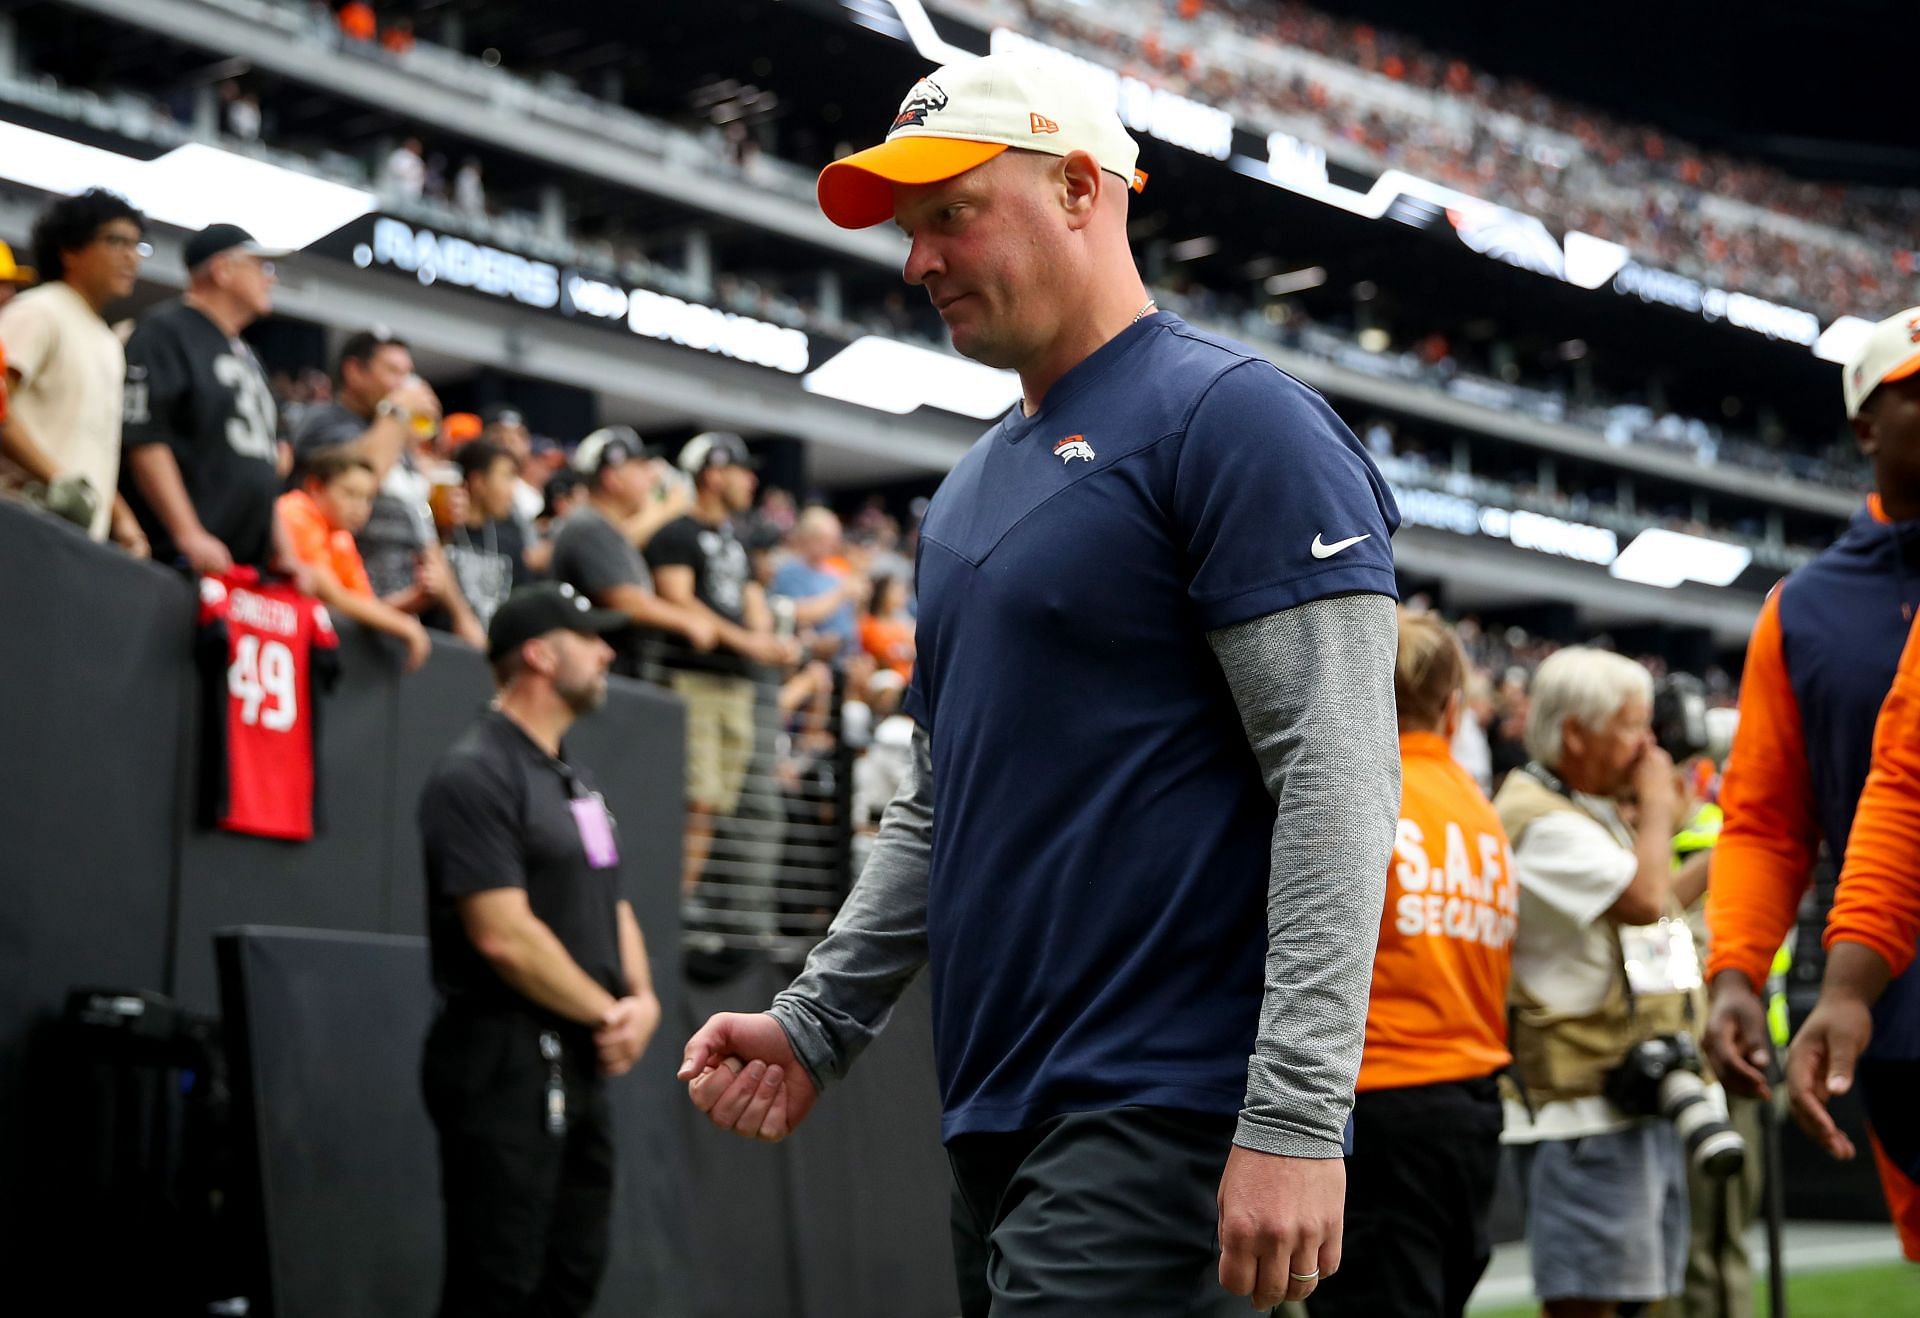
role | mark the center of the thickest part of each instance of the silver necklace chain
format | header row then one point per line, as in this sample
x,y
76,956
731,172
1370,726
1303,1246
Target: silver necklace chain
x,y
1144,311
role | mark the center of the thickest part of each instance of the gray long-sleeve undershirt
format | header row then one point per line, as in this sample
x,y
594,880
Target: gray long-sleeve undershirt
x,y
1314,687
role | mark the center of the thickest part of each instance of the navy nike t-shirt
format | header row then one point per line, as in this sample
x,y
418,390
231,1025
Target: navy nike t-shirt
x,y
1098,891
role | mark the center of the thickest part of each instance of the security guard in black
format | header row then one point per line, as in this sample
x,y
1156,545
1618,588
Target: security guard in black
x,y
542,974
499,813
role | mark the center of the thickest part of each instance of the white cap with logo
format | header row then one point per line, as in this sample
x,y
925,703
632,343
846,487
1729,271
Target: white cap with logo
x,y
967,113
1891,352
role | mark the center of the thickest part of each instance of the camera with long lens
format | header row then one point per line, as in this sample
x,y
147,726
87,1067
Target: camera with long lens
x,y
1680,716
1661,1077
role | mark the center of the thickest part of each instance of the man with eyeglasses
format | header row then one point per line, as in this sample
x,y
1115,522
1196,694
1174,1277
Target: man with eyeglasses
x,y
65,366
204,459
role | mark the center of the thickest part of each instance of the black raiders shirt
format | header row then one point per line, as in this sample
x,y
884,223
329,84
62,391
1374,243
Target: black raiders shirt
x,y
720,575
203,395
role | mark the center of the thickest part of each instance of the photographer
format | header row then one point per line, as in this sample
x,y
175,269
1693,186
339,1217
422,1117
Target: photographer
x,y
1599,977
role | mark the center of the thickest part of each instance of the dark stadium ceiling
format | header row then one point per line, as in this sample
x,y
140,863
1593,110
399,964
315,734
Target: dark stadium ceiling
x,y
1821,89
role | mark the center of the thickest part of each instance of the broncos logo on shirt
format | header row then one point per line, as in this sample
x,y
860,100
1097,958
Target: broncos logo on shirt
x,y
1073,446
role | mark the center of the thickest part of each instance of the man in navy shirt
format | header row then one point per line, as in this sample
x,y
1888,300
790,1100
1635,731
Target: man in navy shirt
x,y
1142,852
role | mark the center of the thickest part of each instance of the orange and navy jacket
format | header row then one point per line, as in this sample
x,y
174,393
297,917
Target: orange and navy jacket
x,y
1819,665
1819,669
1878,905
1439,1006
1878,901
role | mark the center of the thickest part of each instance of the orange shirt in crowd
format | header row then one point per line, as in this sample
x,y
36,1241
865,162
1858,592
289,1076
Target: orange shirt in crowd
x,y
1764,857
1878,901
318,544
1439,1008
357,20
890,642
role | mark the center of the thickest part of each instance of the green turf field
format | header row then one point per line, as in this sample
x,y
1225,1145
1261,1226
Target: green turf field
x,y
1882,1292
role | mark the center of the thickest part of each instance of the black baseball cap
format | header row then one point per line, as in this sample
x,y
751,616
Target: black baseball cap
x,y
501,414
606,447
218,238
548,607
559,486
716,448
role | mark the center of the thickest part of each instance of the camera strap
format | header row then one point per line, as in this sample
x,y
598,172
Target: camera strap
x,y
1548,779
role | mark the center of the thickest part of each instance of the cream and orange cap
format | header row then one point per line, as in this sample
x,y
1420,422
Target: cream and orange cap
x,y
967,113
1891,352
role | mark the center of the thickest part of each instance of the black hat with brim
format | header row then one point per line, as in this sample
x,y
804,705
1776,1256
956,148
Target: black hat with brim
x,y
533,611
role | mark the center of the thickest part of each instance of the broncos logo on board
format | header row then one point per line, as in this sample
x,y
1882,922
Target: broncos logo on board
x,y
1073,446
926,98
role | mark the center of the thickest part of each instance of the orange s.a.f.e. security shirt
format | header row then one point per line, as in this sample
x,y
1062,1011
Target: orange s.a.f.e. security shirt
x,y
1439,1007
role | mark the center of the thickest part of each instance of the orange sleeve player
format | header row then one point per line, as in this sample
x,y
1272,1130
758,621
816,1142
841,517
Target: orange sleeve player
x,y
1765,854
1877,903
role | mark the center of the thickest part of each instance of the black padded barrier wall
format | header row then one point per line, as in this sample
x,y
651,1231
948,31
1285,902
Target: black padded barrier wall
x,y
105,880
845,1220
92,703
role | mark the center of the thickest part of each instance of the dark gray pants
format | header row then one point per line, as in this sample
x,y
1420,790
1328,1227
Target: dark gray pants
x,y
527,1212
1093,1215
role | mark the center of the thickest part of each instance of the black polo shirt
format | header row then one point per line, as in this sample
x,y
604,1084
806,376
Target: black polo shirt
x,y
497,812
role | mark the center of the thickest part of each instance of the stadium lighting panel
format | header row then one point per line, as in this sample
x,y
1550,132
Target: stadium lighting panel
x,y
1841,341
190,186
1664,558
890,376
1296,281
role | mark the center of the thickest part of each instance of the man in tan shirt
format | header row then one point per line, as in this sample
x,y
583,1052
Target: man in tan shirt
x,y
65,367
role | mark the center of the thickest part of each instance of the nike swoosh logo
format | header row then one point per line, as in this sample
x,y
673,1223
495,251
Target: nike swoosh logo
x,y
1328,551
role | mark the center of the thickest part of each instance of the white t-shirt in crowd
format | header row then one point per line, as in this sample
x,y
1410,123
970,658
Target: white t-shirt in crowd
x,y
1472,753
528,504
73,374
405,174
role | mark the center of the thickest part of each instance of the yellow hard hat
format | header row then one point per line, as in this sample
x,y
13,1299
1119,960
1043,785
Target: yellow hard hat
x,y
13,273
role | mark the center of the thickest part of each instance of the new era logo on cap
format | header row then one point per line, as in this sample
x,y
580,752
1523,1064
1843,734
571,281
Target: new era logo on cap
x,y
1039,123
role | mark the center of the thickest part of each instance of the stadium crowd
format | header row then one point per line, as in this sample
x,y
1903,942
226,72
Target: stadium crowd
x,y
424,185
789,636
1735,224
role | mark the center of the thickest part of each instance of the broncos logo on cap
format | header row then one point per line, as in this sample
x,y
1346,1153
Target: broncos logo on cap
x,y
1073,446
926,98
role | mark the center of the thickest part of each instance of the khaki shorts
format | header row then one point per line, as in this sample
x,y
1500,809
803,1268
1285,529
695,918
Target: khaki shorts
x,y
719,737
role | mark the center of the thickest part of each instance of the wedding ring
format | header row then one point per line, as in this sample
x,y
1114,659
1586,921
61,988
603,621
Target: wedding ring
x,y
1305,1276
